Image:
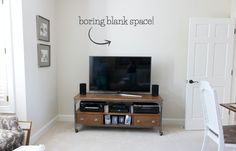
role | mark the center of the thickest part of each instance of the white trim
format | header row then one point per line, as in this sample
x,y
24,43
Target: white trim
x,y
43,130
173,121
8,106
19,59
66,117
166,121
233,83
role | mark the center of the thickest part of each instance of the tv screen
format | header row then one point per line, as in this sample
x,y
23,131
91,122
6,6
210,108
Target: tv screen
x,y
119,74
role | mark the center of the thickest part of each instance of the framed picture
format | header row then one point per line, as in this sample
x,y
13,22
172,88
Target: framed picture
x,y
43,28
43,55
26,127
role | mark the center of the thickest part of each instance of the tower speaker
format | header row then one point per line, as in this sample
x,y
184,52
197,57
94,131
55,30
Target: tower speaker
x,y
82,88
155,90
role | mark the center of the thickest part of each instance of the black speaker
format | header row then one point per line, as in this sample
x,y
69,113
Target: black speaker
x,y
82,88
155,90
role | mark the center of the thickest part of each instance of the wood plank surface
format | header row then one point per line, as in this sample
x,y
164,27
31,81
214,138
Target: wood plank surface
x,y
117,97
228,106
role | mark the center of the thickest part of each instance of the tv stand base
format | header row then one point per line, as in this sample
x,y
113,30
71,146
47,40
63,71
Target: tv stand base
x,y
138,120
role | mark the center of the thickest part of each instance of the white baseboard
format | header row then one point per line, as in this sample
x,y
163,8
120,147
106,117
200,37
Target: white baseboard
x,y
166,121
173,121
66,117
43,130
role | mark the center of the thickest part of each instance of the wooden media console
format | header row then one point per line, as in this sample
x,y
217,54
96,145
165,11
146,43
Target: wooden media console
x,y
139,120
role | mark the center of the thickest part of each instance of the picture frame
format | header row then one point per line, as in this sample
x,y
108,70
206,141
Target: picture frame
x,y
44,55
26,127
43,28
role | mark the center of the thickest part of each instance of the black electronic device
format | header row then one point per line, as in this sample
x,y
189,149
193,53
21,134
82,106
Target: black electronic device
x,y
119,108
148,108
82,87
88,106
120,73
155,90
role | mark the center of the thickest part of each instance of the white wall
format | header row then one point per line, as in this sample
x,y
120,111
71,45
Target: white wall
x,y
233,8
40,82
166,42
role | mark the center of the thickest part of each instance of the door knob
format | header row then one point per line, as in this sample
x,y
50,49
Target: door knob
x,y
191,81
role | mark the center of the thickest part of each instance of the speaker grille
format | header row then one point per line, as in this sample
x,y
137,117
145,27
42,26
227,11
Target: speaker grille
x,y
82,88
155,90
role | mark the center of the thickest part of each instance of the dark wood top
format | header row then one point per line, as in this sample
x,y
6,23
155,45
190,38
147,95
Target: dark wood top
x,y
228,106
115,97
230,134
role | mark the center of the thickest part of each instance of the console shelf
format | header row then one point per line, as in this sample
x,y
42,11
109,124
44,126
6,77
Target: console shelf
x,y
138,120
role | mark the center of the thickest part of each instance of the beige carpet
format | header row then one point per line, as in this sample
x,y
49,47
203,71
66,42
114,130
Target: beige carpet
x,y
63,138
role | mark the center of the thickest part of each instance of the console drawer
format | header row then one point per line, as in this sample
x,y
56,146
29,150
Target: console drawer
x,y
146,120
89,119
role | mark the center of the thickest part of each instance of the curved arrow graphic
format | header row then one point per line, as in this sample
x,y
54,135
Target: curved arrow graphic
x,y
108,42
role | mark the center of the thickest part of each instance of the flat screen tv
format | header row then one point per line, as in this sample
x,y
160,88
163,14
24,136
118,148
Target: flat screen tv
x,y
119,74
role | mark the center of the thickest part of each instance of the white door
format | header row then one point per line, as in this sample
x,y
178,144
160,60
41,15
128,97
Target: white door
x,y
210,57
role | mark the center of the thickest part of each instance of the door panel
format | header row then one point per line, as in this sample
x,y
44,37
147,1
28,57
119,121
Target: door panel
x,y
210,57
221,30
200,59
202,30
220,58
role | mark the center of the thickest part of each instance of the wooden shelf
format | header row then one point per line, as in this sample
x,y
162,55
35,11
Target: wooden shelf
x,y
116,97
100,113
117,125
112,113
